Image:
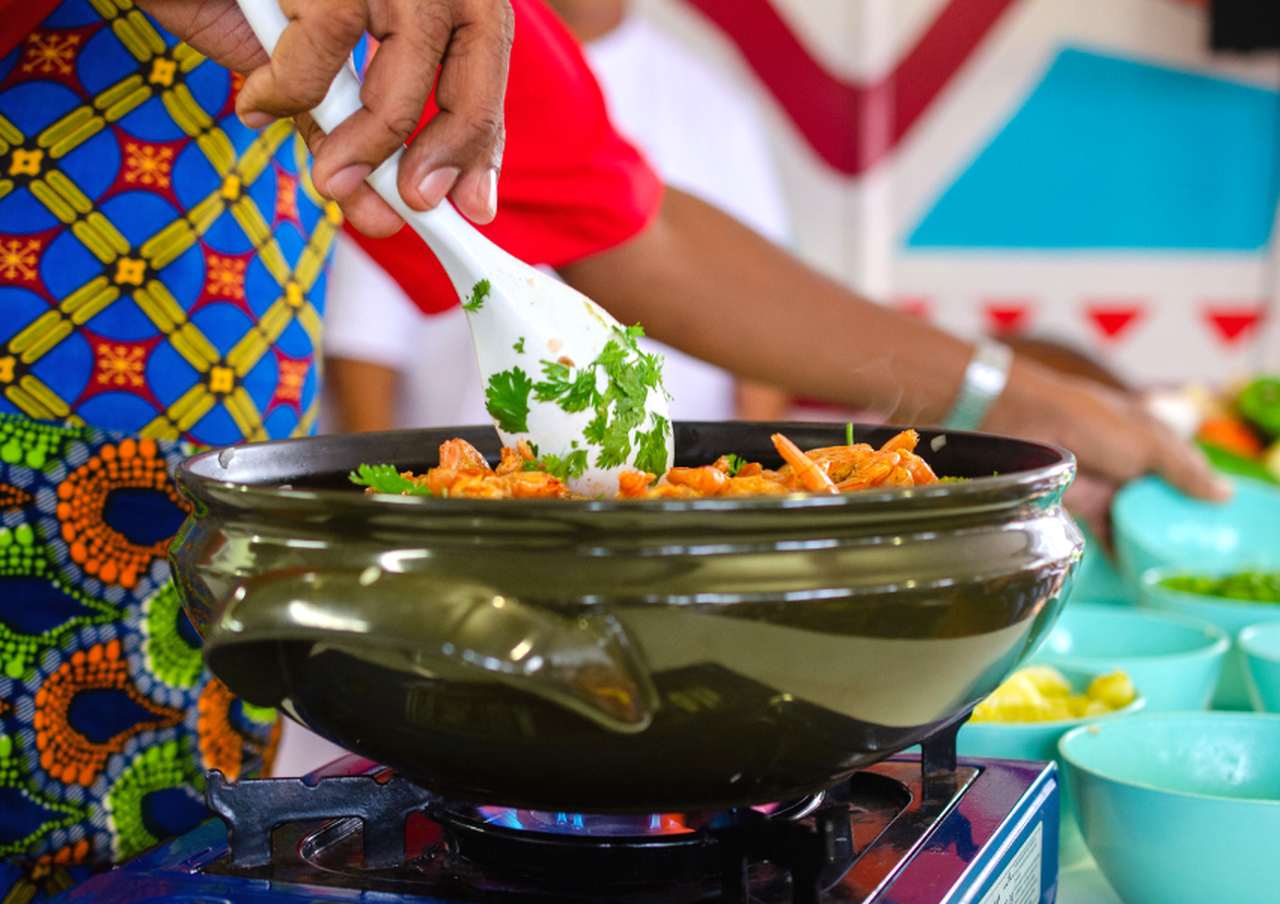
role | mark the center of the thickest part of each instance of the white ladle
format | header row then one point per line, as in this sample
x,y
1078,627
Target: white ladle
x,y
551,358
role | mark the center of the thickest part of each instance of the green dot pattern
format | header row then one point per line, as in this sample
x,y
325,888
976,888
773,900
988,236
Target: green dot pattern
x,y
169,657
31,444
155,769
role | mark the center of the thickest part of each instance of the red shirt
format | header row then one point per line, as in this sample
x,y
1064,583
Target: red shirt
x,y
570,186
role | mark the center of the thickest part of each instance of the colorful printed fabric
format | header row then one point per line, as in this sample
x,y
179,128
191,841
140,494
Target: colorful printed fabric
x,y
161,280
161,266
108,720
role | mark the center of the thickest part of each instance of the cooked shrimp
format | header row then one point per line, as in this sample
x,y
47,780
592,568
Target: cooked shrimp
x,y
812,476
460,455
708,481
634,484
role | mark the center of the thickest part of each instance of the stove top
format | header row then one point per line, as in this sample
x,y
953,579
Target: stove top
x,y
980,831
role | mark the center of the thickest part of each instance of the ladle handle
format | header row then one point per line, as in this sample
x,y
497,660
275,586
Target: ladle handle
x,y
464,252
435,624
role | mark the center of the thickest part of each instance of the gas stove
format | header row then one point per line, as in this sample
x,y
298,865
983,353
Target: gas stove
x,y
910,830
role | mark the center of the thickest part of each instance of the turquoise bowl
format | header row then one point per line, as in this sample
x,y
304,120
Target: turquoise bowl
x,y
1039,741
1232,616
1175,660
1097,579
1155,526
1180,807
1260,645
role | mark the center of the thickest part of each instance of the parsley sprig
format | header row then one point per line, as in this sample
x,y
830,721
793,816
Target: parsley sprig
x,y
386,479
735,462
479,292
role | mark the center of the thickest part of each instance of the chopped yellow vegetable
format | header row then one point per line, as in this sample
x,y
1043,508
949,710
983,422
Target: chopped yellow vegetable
x,y
1041,693
1115,690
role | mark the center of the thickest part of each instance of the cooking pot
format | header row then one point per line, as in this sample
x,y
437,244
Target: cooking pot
x,y
622,655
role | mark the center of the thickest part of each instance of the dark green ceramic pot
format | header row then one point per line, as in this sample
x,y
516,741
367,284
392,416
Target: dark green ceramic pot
x,y
622,655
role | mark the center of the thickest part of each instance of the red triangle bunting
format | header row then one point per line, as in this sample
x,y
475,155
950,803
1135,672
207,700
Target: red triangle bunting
x,y
1233,322
1114,318
1007,315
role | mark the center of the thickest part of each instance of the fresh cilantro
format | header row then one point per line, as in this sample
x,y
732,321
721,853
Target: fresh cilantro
x,y
479,293
386,479
518,348
565,467
735,463
617,402
651,456
848,433
506,398
952,479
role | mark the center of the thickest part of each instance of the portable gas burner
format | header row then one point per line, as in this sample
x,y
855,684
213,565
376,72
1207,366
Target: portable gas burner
x,y
908,830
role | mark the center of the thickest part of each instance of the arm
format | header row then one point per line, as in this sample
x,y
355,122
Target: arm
x,y
704,283
364,394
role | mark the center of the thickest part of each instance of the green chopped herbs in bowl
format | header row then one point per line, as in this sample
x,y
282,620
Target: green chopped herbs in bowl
x,y
1248,586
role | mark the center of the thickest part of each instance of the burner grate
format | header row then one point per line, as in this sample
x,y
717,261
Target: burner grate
x,y
349,830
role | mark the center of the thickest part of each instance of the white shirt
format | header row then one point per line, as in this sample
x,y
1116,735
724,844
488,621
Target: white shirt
x,y
700,132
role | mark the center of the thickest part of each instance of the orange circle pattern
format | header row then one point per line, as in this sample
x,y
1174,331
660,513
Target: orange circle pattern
x,y
66,754
82,496
221,746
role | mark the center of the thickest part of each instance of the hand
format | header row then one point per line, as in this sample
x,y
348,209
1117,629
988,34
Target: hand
x,y
1114,439
457,155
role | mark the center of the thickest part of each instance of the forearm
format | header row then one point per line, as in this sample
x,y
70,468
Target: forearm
x,y
701,282
363,393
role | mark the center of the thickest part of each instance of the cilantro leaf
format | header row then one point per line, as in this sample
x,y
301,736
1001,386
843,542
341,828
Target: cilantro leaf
x,y
518,347
506,398
565,467
386,479
651,456
479,293
735,462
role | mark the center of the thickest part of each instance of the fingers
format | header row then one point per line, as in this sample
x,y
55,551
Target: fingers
x,y
459,153
1186,467
360,204
311,49
414,37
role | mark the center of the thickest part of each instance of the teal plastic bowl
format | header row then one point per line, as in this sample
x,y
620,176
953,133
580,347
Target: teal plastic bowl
x,y
1039,741
1260,645
1175,660
1232,616
1097,579
1180,807
1155,525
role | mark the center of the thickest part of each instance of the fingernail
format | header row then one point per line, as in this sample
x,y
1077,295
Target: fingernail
x,y
436,184
487,194
256,119
346,180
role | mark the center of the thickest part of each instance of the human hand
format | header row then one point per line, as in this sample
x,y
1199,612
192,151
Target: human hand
x,y
457,155
1113,437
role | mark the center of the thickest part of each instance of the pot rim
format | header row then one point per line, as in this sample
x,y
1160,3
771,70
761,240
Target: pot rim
x,y
196,477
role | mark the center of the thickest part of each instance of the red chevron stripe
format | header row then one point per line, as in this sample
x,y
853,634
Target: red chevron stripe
x,y
841,121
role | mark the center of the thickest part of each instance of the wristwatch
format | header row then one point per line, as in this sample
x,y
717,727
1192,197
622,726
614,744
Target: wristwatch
x,y
984,380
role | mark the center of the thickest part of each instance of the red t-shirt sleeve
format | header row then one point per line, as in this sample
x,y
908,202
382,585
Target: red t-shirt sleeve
x,y
571,186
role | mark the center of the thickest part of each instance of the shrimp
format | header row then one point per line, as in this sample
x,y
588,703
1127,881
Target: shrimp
x,y
708,481
460,455
514,459
634,484
812,476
